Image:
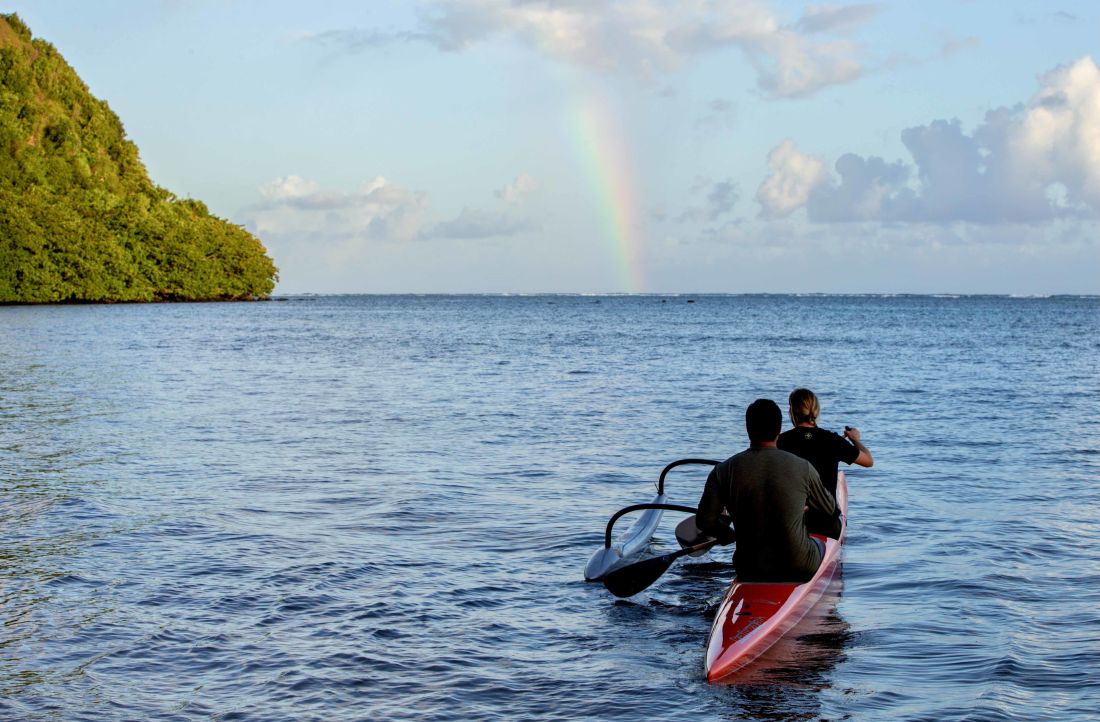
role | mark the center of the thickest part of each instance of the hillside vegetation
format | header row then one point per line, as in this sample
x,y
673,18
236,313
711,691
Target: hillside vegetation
x,y
79,218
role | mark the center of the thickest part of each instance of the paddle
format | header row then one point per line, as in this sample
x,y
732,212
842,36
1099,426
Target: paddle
x,y
687,534
629,580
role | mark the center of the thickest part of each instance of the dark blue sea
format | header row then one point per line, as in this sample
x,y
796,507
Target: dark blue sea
x,y
380,507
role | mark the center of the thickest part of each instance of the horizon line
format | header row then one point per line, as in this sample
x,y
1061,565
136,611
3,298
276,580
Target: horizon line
x,y
677,294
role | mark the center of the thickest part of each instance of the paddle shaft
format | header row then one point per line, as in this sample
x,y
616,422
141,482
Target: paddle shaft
x,y
691,550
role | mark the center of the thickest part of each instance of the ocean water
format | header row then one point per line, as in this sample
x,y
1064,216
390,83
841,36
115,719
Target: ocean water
x,y
380,508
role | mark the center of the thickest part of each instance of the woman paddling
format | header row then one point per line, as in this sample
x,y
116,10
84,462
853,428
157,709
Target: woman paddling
x,y
824,449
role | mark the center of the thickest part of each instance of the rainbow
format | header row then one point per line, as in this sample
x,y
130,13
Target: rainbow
x,y
608,166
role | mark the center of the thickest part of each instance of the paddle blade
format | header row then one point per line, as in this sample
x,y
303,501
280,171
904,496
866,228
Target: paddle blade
x,y
688,534
633,578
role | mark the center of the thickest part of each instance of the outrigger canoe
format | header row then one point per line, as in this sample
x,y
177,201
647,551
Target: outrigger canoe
x,y
755,615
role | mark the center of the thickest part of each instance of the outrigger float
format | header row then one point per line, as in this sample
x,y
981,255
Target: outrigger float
x,y
637,537
753,616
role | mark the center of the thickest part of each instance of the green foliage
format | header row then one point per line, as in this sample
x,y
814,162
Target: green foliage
x,y
79,218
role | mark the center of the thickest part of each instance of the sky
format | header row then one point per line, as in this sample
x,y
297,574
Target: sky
x,y
587,146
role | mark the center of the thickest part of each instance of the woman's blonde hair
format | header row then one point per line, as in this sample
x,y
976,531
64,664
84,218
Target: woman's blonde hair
x,y
804,407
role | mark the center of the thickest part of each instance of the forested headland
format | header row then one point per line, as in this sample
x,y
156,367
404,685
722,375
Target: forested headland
x,y
80,220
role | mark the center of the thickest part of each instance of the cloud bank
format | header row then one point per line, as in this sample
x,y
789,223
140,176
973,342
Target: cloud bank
x,y
645,37
472,223
292,206
377,210
1028,163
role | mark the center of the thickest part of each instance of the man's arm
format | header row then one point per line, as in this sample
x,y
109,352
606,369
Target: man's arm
x,y
864,458
709,518
817,496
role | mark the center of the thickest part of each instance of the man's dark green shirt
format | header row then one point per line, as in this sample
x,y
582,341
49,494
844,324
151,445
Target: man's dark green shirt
x,y
765,490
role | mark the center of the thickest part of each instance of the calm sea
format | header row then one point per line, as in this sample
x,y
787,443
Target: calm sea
x,y
380,508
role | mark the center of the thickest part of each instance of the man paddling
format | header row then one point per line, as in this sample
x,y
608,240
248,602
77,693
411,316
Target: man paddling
x,y
766,492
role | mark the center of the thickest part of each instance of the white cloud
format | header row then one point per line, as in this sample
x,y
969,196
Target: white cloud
x,y
294,211
644,37
720,115
794,174
788,67
1058,138
717,199
954,45
358,40
515,192
472,223
377,210
290,186
835,18
1023,164
607,36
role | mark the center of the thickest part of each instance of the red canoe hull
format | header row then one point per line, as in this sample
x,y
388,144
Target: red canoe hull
x,y
755,615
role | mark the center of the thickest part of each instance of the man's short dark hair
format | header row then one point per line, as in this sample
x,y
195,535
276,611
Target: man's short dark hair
x,y
763,420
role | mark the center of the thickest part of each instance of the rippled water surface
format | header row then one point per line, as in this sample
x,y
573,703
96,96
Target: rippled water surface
x,y
380,508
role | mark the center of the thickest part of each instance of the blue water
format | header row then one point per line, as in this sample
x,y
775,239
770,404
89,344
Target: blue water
x,y
380,508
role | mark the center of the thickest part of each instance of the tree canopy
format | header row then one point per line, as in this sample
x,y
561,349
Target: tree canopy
x,y
80,220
